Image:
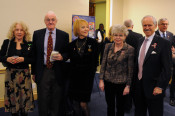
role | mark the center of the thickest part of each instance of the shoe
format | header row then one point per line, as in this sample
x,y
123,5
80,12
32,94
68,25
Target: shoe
x,y
172,102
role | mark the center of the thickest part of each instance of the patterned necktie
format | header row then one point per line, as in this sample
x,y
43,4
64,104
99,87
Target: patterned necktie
x,y
141,59
49,50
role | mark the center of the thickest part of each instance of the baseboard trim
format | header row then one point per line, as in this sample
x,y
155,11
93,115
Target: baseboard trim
x,y
2,71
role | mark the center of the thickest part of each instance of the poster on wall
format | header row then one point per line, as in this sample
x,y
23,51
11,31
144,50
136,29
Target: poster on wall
x,y
90,20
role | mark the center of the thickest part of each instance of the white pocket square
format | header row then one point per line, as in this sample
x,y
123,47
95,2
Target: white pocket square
x,y
153,52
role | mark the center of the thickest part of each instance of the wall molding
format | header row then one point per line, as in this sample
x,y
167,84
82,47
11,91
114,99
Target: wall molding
x,y
2,70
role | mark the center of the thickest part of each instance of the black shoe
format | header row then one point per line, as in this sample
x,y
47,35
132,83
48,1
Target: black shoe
x,y
172,102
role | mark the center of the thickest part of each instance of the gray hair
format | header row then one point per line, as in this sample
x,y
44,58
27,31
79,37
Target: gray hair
x,y
154,19
50,12
162,19
128,23
119,29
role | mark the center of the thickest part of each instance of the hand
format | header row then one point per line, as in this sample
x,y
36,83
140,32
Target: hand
x,y
11,60
57,57
126,90
101,85
157,91
19,59
33,78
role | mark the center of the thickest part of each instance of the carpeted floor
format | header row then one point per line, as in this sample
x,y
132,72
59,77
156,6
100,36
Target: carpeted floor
x,y
98,105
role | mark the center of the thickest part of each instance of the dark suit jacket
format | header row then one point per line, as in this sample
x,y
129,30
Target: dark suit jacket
x,y
169,36
62,40
132,38
156,66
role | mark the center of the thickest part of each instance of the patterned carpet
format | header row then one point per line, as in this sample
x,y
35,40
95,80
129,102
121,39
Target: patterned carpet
x,y
98,105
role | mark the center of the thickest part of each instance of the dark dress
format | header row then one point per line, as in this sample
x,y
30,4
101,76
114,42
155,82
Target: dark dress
x,y
84,59
18,85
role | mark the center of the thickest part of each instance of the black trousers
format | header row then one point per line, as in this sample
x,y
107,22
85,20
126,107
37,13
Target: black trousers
x,y
50,94
142,103
114,98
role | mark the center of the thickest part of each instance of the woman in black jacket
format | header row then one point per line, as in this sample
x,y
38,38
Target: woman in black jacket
x,y
84,58
15,54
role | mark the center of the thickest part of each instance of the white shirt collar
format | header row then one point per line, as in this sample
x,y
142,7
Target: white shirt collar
x,y
161,33
53,32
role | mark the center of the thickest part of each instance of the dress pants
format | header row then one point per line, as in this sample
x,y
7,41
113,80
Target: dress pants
x,y
114,98
154,105
49,94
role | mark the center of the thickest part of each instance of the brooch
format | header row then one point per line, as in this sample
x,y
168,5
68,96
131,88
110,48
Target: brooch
x,y
89,48
154,45
29,46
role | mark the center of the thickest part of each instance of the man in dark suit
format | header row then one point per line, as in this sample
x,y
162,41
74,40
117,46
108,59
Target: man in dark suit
x,y
48,72
162,31
132,37
152,71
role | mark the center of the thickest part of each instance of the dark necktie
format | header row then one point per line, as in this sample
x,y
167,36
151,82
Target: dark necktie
x,y
141,59
49,50
164,35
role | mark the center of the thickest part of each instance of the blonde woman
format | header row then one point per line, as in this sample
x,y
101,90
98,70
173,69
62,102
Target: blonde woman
x,y
84,58
16,54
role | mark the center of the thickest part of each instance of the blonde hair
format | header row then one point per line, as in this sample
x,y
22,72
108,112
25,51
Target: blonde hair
x,y
77,24
11,35
110,35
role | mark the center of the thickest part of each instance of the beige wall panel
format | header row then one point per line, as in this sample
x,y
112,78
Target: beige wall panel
x,y
117,13
137,9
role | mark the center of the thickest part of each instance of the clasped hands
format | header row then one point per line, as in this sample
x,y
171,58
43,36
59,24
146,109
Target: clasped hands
x,y
15,60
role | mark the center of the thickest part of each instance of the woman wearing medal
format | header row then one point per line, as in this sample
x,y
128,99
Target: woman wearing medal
x,y
16,56
84,58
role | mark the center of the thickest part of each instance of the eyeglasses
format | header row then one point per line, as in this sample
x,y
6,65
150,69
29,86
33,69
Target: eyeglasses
x,y
116,35
48,20
164,24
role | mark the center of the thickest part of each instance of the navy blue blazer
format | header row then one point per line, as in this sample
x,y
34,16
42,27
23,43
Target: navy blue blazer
x,y
156,66
62,40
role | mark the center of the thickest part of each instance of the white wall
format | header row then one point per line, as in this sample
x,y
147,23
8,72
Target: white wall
x,y
117,13
32,12
137,9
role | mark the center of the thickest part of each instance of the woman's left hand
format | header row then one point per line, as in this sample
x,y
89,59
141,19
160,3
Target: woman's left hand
x,y
19,59
126,90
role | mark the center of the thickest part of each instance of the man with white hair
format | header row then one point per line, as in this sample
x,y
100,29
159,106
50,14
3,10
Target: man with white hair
x,y
132,37
152,71
48,48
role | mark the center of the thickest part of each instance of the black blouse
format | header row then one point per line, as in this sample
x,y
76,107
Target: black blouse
x,y
25,52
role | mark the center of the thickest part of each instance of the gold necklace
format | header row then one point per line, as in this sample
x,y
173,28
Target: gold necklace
x,y
79,48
